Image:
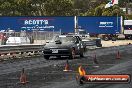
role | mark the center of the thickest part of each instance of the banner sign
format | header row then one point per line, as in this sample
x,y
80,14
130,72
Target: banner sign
x,y
65,24
100,25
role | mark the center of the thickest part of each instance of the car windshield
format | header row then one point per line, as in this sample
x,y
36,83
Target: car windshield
x,y
67,39
64,39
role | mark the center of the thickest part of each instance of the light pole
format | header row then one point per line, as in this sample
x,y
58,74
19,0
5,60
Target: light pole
x,y
60,31
53,32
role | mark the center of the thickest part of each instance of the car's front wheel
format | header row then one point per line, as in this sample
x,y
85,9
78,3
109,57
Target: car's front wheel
x,y
73,54
46,57
71,57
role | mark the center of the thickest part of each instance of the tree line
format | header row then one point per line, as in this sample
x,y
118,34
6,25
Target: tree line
x,y
60,8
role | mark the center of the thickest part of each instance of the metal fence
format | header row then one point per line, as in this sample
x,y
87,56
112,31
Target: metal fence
x,y
43,35
33,36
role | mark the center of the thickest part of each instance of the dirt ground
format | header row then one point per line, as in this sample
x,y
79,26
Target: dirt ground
x,y
115,43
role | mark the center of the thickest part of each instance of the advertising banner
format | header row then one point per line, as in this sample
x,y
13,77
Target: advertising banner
x,y
100,25
65,24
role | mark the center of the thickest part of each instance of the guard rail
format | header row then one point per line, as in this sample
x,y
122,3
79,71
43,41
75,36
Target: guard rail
x,y
20,51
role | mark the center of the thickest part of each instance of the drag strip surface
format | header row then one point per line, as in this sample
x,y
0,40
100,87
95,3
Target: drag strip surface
x,y
123,68
33,63
49,74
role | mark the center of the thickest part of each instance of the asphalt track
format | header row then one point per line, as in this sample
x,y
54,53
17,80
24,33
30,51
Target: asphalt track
x,y
49,74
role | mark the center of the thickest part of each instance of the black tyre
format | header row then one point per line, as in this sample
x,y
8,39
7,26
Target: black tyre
x,y
85,49
71,57
81,54
113,39
106,38
99,45
46,57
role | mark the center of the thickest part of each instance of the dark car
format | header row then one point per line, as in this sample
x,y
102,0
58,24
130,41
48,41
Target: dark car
x,y
63,45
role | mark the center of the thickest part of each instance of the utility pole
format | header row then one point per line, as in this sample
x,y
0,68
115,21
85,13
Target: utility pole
x,y
127,6
76,24
76,20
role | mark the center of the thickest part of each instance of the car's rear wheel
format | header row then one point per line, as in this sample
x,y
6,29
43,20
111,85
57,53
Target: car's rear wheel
x,y
81,53
106,38
84,48
46,57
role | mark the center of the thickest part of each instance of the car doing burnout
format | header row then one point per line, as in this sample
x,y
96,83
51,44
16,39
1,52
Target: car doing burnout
x,y
63,45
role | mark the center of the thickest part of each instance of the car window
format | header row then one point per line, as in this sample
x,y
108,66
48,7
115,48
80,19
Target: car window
x,y
55,38
64,39
68,39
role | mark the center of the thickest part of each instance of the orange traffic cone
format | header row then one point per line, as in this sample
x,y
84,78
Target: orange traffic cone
x,y
23,77
82,72
67,67
118,56
95,59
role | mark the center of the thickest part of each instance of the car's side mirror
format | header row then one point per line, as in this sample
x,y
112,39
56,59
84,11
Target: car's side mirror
x,y
58,42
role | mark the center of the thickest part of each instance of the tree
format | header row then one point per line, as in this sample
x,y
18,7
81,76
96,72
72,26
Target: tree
x,y
58,8
86,7
38,7
24,7
111,11
99,10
